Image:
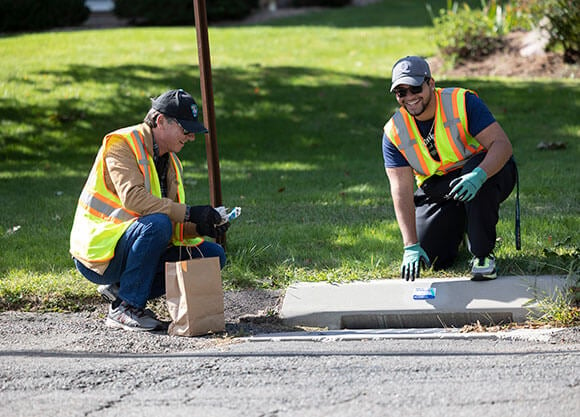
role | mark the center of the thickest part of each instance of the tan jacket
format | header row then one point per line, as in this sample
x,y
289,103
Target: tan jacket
x,y
122,176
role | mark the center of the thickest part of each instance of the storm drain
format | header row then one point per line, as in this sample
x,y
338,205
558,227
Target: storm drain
x,y
423,320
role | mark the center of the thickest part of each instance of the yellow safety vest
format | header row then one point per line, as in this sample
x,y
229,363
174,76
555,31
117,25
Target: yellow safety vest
x,y
100,219
453,142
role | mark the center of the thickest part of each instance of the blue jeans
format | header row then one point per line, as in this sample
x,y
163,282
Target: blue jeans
x,y
139,262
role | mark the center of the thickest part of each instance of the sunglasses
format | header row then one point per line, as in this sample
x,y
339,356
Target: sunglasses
x,y
402,92
185,131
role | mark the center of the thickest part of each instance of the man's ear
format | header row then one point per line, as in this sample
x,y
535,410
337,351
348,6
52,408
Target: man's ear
x,y
161,120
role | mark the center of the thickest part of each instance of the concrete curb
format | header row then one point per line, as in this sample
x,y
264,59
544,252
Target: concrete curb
x,y
536,335
382,304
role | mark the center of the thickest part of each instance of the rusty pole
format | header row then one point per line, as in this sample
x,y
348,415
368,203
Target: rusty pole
x,y
211,149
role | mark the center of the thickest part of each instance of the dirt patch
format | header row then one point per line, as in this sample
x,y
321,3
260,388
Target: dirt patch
x,y
247,312
522,56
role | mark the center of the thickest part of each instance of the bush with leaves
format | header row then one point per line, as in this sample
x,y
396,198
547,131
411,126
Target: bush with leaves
x,y
463,33
564,27
180,12
219,10
320,3
559,18
28,15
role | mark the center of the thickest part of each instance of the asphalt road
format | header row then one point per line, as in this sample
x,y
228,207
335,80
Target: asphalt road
x,y
61,371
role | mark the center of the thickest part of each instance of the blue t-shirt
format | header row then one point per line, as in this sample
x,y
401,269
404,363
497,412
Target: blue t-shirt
x,y
478,116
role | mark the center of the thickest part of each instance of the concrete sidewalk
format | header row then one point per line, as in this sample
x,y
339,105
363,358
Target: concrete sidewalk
x,y
424,303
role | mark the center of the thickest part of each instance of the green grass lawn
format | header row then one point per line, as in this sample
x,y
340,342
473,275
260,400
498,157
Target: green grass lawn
x,y
300,105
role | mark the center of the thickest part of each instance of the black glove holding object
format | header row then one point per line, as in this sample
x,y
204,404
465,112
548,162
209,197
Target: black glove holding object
x,y
206,219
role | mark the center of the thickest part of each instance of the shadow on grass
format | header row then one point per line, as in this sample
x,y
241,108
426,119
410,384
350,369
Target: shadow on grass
x,y
69,127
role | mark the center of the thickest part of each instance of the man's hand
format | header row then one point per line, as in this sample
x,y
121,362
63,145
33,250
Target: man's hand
x,y
413,256
465,187
206,218
212,230
204,215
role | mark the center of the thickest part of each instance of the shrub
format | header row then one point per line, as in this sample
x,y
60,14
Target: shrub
x,y
218,10
180,12
564,27
149,12
463,33
320,3
24,15
519,15
559,18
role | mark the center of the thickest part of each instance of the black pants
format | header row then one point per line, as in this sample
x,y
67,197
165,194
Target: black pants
x,y
442,222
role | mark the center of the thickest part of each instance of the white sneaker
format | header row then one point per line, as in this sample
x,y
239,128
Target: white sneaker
x,y
108,292
131,318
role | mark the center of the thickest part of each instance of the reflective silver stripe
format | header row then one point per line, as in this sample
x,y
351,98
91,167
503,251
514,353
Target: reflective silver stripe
x,y
456,165
177,165
143,162
106,209
452,122
407,143
447,104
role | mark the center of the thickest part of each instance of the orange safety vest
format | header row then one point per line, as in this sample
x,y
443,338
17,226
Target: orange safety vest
x,y
453,142
100,219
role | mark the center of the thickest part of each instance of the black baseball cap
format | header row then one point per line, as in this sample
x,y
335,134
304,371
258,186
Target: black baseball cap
x,y
179,105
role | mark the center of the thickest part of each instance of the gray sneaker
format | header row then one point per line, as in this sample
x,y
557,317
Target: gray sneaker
x,y
131,318
483,269
109,292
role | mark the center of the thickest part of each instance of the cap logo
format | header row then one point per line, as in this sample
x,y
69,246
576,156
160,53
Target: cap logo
x,y
194,110
405,66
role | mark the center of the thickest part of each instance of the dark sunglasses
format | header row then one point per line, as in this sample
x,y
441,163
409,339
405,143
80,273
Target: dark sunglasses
x,y
185,131
402,92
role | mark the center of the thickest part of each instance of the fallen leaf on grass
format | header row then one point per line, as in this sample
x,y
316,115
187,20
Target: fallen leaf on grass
x,y
13,230
551,146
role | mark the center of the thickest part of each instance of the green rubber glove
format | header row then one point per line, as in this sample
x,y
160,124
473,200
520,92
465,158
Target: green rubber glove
x,y
465,187
413,257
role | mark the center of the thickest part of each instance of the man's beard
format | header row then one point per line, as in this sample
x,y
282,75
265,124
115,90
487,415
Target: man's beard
x,y
423,106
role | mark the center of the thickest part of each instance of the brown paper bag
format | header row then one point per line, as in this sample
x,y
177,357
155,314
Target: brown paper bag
x,y
195,297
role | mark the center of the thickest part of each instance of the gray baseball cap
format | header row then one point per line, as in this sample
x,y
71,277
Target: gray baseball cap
x,y
410,70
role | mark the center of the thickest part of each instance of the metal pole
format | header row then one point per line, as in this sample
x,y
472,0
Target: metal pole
x,y
201,27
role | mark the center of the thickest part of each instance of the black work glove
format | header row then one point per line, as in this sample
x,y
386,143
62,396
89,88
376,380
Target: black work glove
x,y
203,215
212,230
206,218
221,229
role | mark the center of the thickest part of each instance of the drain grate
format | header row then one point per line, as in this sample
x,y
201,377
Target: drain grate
x,y
423,320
